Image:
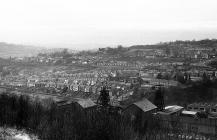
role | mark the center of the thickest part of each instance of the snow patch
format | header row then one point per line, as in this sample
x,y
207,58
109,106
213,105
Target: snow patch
x,y
22,137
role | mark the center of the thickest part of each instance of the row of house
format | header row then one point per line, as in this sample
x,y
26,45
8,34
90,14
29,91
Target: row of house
x,y
203,107
120,64
165,83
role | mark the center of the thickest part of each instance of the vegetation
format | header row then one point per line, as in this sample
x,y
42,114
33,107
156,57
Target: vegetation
x,y
213,63
51,123
166,45
201,91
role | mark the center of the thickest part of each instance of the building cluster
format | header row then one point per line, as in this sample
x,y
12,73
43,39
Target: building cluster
x,y
177,119
173,118
130,72
209,108
121,79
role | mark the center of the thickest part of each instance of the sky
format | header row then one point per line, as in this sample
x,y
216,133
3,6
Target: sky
x,y
60,23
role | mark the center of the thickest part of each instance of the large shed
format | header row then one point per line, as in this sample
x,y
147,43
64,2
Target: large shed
x,y
140,112
75,104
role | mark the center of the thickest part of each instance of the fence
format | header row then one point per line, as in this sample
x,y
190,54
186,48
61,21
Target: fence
x,y
187,127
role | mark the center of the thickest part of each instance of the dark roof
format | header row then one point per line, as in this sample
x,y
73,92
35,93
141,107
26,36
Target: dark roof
x,y
84,103
63,102
145,105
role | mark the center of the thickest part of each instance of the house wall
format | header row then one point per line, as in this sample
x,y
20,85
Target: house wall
x,y
137,115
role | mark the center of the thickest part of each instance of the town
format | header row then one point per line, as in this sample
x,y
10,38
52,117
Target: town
x,y
141,78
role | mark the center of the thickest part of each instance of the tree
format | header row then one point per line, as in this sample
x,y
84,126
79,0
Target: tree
x,y
120,48
180,77
159,99
213,74
65,51
205,77
65,89
166,76
159,76
167,51
104,98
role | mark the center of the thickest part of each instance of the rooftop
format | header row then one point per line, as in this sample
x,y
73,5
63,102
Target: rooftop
x,y
84,103
145,105
189,112
171,109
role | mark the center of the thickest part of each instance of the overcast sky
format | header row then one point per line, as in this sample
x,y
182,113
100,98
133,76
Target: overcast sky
x,y
107,22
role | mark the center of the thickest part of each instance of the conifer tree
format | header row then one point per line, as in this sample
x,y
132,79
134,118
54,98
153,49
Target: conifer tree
x,y
159,99
104,98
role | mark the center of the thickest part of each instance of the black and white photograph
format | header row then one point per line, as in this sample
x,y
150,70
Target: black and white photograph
x,y
108,69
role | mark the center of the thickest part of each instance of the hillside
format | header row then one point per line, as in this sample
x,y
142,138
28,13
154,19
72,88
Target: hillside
x,y
212,43
14,50
3,61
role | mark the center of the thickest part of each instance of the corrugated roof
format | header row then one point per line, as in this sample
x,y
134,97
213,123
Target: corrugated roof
x,y
145,105
171,110
189,112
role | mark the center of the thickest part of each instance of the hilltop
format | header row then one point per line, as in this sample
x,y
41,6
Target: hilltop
x,y
212,43
16,50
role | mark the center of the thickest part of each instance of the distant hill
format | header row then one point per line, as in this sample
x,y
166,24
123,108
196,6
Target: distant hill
x,y
15,50
3,61
211,43
54,50
139,47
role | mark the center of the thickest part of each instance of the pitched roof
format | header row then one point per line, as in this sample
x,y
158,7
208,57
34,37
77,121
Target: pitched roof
x,y
85,103
61,103
173,108
145,105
